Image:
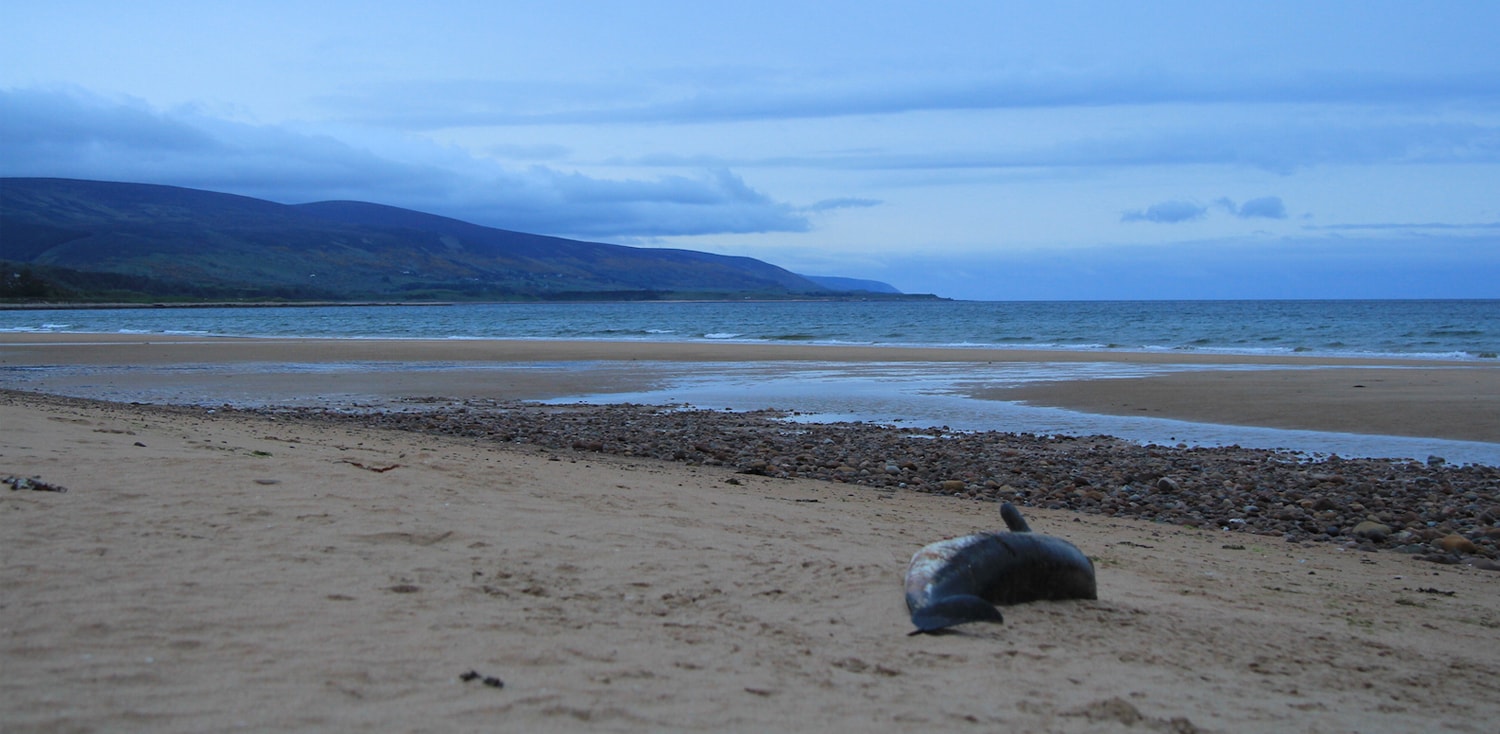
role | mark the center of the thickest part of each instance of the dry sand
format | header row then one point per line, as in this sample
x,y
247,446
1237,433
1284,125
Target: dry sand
x,y
205,573
208,574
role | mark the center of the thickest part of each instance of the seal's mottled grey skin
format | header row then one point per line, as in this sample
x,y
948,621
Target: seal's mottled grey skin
x,y
960,580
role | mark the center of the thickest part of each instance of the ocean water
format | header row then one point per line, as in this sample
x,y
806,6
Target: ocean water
x,y
898,392
1442,330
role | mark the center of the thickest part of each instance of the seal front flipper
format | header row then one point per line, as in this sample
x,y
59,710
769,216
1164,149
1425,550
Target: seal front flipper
x,y
953,610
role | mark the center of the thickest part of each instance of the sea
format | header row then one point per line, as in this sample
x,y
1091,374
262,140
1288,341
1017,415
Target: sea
x,y
1436,329
1440,332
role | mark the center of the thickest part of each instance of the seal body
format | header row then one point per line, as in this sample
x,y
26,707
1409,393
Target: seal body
x,y
961,580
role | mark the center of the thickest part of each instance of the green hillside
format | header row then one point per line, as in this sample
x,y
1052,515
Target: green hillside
x,y
65,239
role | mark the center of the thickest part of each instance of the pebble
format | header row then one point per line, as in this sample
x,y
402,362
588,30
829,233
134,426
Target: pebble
x,y
1388,503
1371,530
1456,543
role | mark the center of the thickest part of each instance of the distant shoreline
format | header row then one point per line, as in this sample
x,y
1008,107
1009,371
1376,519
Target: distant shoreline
x,y
79,306
83,306
851,298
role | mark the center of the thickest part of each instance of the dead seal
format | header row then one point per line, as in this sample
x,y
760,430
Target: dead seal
x,y
961,580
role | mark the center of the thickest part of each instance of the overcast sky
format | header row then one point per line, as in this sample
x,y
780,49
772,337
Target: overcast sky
x,y
987,150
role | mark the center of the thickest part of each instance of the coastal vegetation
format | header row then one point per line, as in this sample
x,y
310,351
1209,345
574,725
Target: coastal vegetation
x,y
93,241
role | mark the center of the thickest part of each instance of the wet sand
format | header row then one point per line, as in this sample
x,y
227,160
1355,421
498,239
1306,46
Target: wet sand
x,y
62,348
1458,401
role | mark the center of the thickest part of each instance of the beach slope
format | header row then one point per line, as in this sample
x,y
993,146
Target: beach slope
x,y
204,572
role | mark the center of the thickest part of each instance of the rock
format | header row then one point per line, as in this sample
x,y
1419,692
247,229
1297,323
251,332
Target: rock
x,y
1456,543
1371,530
1278,494
34,484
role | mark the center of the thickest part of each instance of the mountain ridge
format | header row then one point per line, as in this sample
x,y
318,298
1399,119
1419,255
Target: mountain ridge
x,y
156,241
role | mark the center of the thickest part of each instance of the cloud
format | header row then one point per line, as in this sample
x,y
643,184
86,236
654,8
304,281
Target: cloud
x,y
38,124
73,134
1406,226
849,202
1280,147
716,203
1265,207
1167,212
771,94
1458,266
1177,210
539,152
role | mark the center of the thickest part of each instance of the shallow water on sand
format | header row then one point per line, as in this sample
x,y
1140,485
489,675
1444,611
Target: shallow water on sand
x,y
907,394
929,395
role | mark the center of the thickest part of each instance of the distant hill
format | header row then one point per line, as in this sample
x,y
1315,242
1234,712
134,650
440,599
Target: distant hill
x,y
95,240
835,283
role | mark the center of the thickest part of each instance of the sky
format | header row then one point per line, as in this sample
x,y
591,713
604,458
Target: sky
x,y
977,150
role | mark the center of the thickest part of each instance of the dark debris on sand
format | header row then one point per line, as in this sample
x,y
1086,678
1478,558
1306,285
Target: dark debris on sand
x,y
1439,511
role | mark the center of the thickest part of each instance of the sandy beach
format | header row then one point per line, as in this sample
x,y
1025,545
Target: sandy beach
x,y
214,570
210,573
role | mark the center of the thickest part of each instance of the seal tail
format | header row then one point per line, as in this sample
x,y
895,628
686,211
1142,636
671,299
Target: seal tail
x,y
1013,519
953,610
